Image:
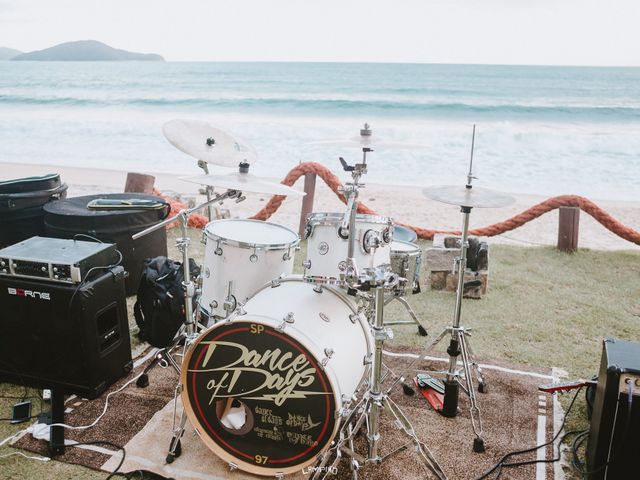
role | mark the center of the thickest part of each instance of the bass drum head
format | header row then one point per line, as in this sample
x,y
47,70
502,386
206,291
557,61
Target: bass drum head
x,y
258,397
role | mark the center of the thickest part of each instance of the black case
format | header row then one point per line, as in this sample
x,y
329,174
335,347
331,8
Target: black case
x,y
21,206
54,335
70,217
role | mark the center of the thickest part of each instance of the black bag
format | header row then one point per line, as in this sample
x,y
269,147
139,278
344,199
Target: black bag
x,y
159,309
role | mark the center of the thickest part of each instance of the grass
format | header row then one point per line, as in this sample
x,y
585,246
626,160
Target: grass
x,y
544,309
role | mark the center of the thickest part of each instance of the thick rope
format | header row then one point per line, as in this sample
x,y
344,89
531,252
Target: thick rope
x,y
586,205
334,183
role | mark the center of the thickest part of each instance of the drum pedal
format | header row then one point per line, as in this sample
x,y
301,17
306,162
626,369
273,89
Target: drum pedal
x,y
434,397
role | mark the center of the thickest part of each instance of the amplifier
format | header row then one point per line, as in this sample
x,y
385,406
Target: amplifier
x,y
55,259
613,449
74,338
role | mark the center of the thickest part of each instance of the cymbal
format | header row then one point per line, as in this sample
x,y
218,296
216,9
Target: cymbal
x,y
245,182
207,143
366,139
467,197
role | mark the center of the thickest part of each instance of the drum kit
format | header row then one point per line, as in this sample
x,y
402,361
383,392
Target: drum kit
x,y
281,372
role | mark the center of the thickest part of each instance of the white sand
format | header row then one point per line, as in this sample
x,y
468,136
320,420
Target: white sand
x,y
404,204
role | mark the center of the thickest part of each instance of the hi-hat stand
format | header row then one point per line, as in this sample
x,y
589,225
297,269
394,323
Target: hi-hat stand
x,y
454,378
366,413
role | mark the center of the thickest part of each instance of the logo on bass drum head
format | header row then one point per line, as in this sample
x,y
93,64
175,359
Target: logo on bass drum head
x,y
259,395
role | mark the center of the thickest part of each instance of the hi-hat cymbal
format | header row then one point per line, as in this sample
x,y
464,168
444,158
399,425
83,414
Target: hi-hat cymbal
x,y
366,139
468,197
245,182
207,143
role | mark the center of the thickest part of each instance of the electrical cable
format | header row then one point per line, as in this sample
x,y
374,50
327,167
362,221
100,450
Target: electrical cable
x,y
501,463
85,427
625,435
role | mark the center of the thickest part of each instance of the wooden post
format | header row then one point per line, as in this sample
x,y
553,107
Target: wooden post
x,y
139,183
307,200
568,224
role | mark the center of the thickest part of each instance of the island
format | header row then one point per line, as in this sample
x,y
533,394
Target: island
x,y
85,50
8,53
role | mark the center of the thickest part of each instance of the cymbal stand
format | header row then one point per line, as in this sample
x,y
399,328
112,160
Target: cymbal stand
x,y
189,330
208,191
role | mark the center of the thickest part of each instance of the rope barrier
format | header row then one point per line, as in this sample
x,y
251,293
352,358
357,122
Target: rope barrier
x,y
334,183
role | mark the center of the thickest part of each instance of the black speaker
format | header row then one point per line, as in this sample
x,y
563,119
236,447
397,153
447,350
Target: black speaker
x,y
613,449
74,338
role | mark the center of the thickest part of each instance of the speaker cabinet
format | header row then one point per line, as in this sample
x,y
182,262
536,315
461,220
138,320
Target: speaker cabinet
x,y
55,335
613,449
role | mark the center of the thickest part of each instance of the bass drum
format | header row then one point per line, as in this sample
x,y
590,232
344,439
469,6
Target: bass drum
x,y
263,388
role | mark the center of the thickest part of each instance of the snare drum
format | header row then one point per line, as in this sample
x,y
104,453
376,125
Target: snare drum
x,y
328,245
406,259
264,389
240,256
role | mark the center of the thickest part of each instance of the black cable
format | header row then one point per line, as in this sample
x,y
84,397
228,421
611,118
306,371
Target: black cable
x,y
110,444
625,435
86,277
501,463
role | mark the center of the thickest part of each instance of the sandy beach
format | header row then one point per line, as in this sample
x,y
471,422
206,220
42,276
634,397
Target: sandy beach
x,y
405,204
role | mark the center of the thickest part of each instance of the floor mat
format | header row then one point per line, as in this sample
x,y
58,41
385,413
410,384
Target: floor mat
x,y
514,414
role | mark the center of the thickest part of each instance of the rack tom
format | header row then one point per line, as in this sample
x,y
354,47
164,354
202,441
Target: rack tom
x,y
240,256
328,245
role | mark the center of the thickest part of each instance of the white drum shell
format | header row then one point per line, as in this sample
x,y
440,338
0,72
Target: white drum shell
x,y
325,321
249,265
327,250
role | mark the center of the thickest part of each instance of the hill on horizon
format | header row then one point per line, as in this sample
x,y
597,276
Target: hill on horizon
x,y
85,50
7,53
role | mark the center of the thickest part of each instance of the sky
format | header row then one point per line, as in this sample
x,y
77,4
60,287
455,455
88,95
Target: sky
x,y
547,32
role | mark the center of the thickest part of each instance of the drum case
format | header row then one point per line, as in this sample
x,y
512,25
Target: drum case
x,y
70,217
21,202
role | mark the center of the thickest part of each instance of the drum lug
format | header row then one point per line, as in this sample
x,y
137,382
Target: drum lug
x,y
317,288
232,466
370,241
288,318
306,264
329,353
287,256
366,360
354,318
277,281
279,475
387,234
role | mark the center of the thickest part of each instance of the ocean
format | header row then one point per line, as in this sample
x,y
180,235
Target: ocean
x,y
540,130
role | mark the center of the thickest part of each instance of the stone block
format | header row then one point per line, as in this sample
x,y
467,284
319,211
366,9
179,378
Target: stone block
x,y
440,259
451,283
437,280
